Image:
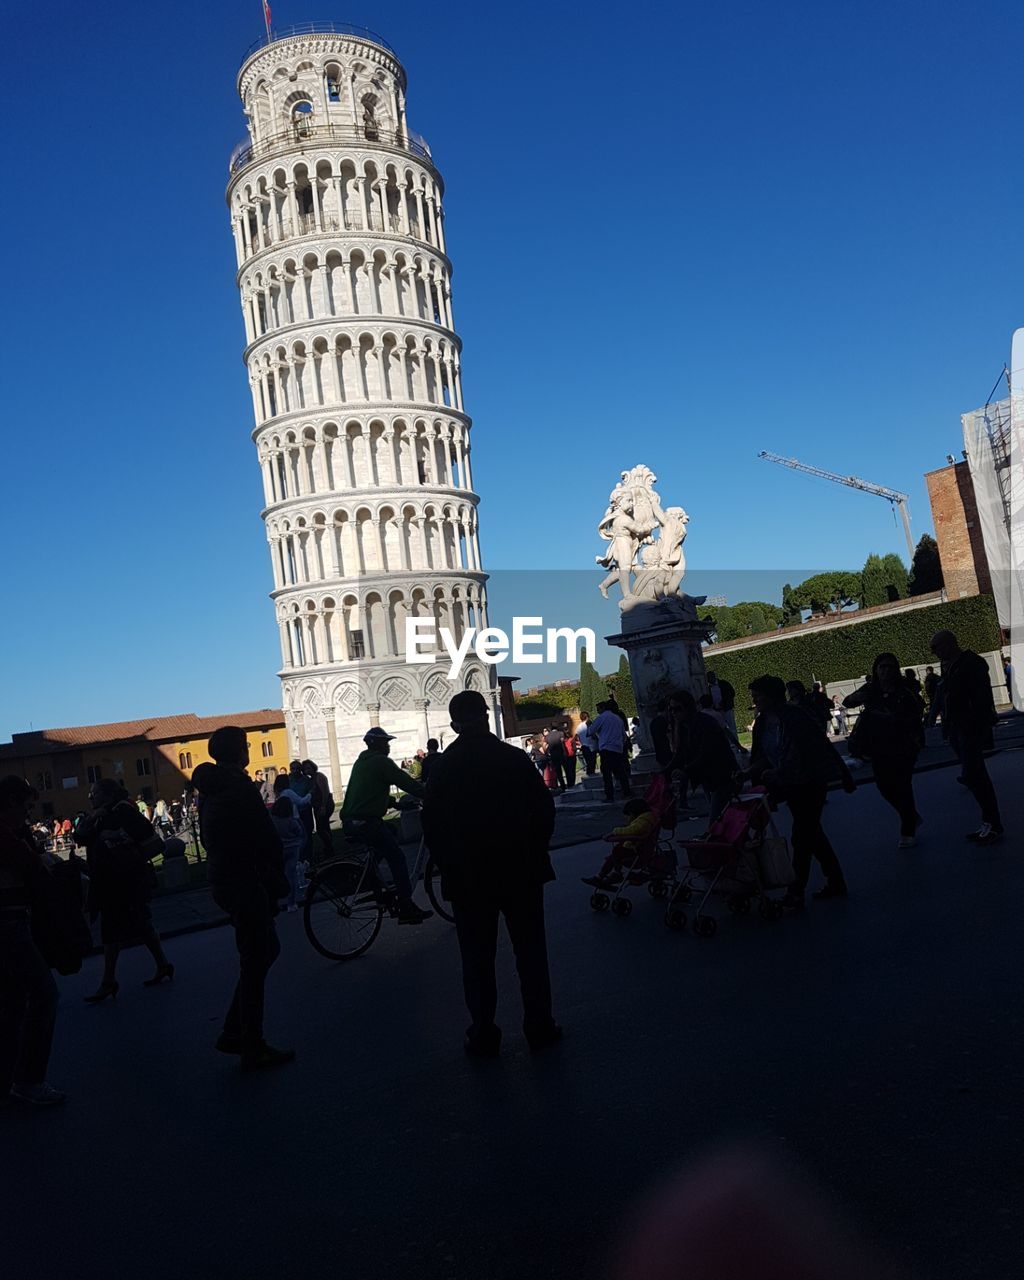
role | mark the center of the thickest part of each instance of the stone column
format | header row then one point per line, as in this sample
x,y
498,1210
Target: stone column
x,y
293,207
298,735
332,751
422,705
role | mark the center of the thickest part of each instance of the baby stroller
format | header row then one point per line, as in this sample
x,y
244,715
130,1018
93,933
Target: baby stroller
x,y
741,857
654,859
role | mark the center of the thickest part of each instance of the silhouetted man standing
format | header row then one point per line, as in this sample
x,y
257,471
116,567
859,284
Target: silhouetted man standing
x,y
968,714
488,818
245,866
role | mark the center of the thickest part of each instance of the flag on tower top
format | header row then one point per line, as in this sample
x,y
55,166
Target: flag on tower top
x,y
266,15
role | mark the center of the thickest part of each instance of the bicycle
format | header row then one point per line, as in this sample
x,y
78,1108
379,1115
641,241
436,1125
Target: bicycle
x,y
346,900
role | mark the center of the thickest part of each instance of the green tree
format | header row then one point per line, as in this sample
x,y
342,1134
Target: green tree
x,y
591,687
872,582
926,570
621,685
748,618
830,592
791,610
895,574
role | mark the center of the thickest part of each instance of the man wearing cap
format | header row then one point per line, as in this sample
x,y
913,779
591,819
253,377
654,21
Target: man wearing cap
x,y
367,798
488,819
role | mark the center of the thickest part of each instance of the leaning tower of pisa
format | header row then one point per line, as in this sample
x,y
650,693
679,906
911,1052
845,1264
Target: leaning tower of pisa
x,y
354,367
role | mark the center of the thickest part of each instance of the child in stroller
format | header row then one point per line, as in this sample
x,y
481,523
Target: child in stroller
x,y
638,851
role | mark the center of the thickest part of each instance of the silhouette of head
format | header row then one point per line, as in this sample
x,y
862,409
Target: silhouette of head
x,y
468,712
378,739
107,791
432,744
944,645
16,799
229,745
768,691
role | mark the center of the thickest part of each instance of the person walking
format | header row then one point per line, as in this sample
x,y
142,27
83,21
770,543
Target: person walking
x,y
121,882
245,867
968,715
28,993
322,806
303,788
487,820
285,815
660,729
555,741
796,762
569,744
931,693
723,698
430,760
367,799
587,744
889,733
265,787
703,755
608,732
839,717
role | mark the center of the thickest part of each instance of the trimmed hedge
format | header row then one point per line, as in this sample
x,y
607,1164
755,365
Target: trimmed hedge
x,y
847,652
827,653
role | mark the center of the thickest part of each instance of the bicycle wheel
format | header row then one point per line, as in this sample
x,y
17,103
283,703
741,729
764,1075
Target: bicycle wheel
x,y
342,912
432,884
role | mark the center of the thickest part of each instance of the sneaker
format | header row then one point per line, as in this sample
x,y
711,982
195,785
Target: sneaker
x,y
412,914
906,842
830,891
543,1039
982,834
266,1056
39,1095
991,836
228,1043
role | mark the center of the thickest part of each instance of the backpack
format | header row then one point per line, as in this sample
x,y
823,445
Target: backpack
x,y
59,927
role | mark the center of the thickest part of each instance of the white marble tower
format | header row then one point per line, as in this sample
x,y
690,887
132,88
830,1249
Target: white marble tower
x,y
354,367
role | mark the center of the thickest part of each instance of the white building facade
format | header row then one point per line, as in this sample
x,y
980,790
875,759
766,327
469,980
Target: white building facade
x,y
355,371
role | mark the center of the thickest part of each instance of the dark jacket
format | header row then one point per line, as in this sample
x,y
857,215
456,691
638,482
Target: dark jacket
x,y
968,708
120,873
23,874
803,754
487,819
242,845
704,754
890,727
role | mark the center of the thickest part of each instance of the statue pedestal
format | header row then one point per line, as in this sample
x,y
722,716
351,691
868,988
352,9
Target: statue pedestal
x,y
663,642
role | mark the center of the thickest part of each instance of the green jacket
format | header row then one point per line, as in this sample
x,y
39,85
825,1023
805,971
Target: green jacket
x,y
369,787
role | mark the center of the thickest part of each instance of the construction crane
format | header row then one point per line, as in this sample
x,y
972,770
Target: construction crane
x,y
897,500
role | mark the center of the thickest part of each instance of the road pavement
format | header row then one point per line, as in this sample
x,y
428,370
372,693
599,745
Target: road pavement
x,y
874,1043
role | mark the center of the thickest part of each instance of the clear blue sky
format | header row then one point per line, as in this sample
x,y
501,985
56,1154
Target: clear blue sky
x,y
681,234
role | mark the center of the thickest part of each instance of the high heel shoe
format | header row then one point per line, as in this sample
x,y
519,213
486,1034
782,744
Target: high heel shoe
x,y
165,971
102,991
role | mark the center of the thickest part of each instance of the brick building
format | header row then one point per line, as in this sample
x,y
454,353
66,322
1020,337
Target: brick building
x,y
152,758
958,532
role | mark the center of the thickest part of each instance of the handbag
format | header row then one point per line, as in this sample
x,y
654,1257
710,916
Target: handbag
x,y
774,864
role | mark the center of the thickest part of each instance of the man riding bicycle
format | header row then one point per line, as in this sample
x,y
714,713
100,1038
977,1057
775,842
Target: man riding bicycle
x,y
367,799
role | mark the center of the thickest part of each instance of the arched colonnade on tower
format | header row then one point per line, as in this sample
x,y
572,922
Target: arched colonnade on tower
x,y
339,367
329,193
347,626
333,456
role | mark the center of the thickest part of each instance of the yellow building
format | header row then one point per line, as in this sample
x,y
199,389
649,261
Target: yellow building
x,y
150,758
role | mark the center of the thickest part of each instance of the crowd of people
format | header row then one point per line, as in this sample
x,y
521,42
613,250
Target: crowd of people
x,y
488,816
